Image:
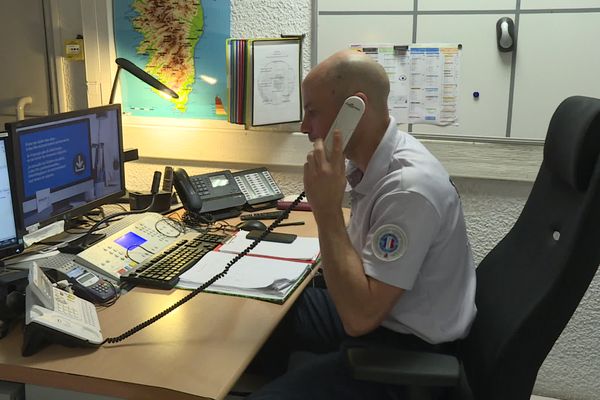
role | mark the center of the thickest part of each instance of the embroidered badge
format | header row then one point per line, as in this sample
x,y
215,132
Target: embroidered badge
x,y
389,242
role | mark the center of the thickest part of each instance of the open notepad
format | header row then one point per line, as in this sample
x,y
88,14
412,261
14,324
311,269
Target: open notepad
x,y
271,272
258,277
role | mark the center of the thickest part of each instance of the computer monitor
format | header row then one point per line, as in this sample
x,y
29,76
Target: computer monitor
x,y
68,163
11,240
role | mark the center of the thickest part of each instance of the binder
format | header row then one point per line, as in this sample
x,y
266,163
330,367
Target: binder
x,y
271,272
263,77
261,278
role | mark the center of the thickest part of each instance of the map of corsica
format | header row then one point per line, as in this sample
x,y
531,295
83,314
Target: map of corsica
x,y
182,44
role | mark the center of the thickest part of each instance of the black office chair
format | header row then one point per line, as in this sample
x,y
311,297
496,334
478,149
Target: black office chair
x,y
528,286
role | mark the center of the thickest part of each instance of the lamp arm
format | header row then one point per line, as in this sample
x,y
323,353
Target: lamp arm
x,y
114,86
145,77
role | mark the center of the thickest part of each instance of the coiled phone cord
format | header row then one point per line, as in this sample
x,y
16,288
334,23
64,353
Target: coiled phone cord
x,y
212,280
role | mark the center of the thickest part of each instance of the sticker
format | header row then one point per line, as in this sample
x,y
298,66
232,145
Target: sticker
x,y
42,198
389,242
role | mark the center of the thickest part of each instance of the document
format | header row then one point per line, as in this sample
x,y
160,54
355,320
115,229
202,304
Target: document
x,y
424,80
275,81
257,277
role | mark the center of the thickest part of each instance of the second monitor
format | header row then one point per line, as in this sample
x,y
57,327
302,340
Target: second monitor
x,y
68,163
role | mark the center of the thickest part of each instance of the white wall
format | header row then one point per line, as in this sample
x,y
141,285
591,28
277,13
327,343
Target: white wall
x,y
501,94
572,369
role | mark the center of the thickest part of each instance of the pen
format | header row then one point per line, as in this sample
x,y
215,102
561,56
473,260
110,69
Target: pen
x,y
291,223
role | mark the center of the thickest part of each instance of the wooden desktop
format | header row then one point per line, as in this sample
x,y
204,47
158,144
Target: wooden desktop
x,y
197,351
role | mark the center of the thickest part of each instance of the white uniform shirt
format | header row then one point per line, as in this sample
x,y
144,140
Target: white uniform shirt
x,y
407,225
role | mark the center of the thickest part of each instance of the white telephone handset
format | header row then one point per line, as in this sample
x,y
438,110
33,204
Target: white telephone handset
x,y
55,316
346,121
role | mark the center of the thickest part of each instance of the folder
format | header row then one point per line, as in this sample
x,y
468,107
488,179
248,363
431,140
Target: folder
x,y
262,278
263,80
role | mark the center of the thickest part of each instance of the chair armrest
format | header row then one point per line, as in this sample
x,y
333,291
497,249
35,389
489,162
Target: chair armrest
x,y
403,367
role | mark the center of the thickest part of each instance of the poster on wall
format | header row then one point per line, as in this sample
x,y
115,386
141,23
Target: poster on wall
x,y
182,44
424,80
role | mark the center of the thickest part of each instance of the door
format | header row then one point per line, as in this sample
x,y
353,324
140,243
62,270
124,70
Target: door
x,y
24,63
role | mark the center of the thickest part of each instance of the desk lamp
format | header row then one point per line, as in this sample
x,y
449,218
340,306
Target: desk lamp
x,y
140,74
131,154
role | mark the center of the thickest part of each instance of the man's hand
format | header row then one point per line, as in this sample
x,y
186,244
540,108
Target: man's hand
x,y
325,179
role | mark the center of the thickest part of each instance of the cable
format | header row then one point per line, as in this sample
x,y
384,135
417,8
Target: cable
x,y
206,284
179,226
155,183
191,219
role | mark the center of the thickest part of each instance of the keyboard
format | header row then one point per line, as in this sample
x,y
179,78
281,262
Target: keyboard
x,y
163,269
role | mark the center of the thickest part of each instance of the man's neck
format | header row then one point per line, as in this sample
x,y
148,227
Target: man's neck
x,y
367,147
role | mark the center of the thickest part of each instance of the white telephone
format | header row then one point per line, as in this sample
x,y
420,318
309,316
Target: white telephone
x,y
346,121
55,316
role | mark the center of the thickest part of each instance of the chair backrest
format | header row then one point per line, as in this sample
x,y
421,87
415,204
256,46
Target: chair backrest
x,y
530,284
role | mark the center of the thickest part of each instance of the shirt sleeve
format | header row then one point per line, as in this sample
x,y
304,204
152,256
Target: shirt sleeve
x,y
403,227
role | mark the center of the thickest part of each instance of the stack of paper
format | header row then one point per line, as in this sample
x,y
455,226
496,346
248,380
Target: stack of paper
x,y
262,278
270,272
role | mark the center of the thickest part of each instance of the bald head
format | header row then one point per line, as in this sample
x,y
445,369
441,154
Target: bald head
x,y
348,72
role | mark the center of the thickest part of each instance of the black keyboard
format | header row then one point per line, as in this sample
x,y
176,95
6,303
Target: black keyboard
x,y
162,270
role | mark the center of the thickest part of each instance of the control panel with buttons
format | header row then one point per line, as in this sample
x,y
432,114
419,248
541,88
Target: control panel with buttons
x,y
124,250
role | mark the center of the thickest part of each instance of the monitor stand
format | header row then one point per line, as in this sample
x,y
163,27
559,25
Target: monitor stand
x,y
76,245
72,243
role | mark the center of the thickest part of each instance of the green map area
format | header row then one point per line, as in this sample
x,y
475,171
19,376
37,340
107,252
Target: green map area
x,y
182,44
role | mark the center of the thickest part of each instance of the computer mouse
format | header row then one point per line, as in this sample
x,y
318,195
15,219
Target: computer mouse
x,y
252,225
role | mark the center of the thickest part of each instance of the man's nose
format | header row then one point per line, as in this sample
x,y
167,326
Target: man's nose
x,y
304,126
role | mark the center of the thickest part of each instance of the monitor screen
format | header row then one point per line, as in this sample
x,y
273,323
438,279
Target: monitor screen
x,y
68,163
10,235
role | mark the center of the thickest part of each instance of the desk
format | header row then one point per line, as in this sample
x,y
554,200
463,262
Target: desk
x,y
197,351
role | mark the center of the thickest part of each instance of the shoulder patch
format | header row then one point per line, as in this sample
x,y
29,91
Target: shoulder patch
x,y
389,242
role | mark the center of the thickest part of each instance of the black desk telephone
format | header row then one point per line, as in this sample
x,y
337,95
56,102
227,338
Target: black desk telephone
x,y
224,190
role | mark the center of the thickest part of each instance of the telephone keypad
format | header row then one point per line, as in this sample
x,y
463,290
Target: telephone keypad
x,y
257,185
200,185
68,305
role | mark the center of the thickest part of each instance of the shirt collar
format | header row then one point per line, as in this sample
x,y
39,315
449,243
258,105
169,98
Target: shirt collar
x,y
378,164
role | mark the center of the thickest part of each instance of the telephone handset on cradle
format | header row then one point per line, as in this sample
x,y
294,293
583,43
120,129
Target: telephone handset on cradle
x,y
223,190
215,193
346,121
55,316
191,199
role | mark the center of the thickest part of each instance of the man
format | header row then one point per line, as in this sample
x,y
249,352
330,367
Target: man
x,y
401,272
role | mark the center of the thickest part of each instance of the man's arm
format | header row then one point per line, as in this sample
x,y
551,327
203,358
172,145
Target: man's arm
x,y
361,301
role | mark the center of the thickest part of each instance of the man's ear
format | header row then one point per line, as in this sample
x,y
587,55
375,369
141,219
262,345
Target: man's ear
x,y
363,97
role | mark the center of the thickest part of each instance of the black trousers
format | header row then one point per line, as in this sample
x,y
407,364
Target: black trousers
x,y
313,325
